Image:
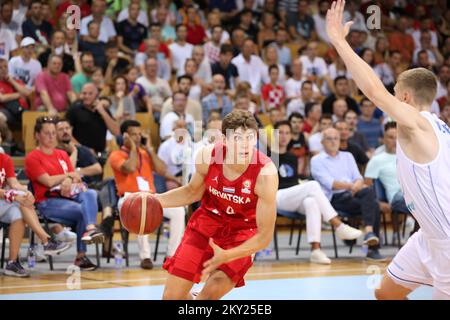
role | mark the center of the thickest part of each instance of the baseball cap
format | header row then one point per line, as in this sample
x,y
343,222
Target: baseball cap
x,y
27,41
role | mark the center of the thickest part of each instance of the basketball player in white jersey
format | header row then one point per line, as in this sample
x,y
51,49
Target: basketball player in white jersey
x,y
423,164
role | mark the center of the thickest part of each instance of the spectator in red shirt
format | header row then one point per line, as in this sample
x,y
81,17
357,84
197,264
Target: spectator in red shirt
x,y
12,100
53,88
60,195
313,112
195,32
272,93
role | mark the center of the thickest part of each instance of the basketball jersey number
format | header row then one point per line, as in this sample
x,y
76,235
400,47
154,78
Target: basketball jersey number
x,y
230,210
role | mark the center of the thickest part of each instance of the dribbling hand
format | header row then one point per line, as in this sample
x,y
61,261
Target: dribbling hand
x,y
218,259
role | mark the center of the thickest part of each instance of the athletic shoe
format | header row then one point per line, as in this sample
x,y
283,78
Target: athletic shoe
x,y
93,236
371,239
55,247
39,250
85,264
374,255
318,256
147,264
66,236
194,294
345,232
15,269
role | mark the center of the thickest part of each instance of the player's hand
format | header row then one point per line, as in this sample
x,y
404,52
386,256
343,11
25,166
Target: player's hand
x,y
218,259
336,31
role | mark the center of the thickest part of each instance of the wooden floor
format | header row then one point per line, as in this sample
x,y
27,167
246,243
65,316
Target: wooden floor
x,y
136,277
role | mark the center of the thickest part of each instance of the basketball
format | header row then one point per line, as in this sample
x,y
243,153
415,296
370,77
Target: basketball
x,y
141,213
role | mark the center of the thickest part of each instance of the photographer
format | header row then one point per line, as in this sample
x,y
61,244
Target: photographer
x,y
91,119
133,167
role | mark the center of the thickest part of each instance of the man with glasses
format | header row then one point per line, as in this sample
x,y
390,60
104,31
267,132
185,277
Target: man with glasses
x,y
339,177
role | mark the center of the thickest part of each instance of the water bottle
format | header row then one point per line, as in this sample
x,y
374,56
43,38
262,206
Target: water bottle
x,y
31,257
166,231
118,256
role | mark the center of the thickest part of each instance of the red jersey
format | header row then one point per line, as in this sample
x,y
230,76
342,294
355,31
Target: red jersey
x,y
38,163
236,200
6,169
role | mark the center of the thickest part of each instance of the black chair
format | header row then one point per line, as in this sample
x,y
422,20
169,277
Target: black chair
x,y
5,228
294,216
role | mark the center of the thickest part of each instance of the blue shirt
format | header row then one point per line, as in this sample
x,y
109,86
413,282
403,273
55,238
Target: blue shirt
x,y
372,130
210,103
326,169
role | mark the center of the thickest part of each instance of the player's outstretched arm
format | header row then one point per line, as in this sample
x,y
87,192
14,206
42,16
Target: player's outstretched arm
x,y
363,75
194,190
266,213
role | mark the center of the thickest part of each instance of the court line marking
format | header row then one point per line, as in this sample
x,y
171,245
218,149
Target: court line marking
x,y
160,279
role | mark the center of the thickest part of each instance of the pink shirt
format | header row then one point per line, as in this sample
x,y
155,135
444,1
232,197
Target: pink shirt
x,y
56,87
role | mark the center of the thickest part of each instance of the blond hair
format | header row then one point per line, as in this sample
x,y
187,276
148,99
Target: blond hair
x,y
422,83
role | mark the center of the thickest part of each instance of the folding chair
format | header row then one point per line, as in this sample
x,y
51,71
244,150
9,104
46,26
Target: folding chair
x,y
5,227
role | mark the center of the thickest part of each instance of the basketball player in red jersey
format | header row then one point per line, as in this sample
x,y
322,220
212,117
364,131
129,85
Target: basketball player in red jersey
x,y
237,185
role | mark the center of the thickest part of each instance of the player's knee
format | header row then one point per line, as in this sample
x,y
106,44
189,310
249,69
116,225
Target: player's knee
x,y
383,294
174,295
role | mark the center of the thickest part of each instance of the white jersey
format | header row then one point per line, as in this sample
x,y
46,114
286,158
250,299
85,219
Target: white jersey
x,y
426,187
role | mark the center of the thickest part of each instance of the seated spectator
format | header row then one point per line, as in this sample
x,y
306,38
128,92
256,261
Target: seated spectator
x,y
16,208
338,175
196,34
156,88
197,86
25,67
155,33
339,109
314,67
315,140
238,37
151,51
98,80
130,32
246,24
216,18
164,18
389,70
271,58
313,112
298,146
275,115
320,21
203,76
302,28
8,42
13,94
335,69
273,95
91,43
122,104
58,47
284,53
342,91
91,119
142,17
107,29
9,24
180,50
434,56
368,125
267,33
53,89
59,194
345,145
194,108
383,167
295,83
306,198
115,63
445,114
224,67
249,66
306,96
352,14
242,102
442,83
136,91
179,112
133,167
35,26
212,47
84,76
216,100
356,137
402,41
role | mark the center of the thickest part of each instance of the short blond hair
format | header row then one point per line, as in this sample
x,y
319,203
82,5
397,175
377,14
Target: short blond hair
x,y
422,82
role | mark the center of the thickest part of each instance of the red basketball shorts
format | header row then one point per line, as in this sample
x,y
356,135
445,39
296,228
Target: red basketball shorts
x,y
194,249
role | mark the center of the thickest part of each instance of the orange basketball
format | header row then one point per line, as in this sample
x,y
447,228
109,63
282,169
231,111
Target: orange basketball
x,y
141,213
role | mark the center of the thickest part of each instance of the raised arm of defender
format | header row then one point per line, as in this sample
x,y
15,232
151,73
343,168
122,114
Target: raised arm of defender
x,y
363,75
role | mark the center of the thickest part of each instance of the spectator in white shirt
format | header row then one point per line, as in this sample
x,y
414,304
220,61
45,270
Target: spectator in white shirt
x,y
24,67
180,50
249,66
8,23
168,123
284,53
294,84
434,55
320,20
204,74
315,140
298,104
214,20
107,30
271,58
352,14
314,67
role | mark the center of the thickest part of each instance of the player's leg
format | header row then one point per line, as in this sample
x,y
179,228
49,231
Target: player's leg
x,y
405,273
217,285
389,290
177,288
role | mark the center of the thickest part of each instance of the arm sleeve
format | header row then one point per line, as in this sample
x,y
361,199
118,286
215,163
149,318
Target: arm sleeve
x,y
373,169
116,160
9,167
321,174
33,167
354,171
